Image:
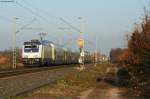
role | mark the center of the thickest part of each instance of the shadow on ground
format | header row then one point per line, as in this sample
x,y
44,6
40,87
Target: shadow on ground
x,y
118,79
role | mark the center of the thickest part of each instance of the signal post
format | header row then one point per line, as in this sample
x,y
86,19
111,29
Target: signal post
x,y
81,58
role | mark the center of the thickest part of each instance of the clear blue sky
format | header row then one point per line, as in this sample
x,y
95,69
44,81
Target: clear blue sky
x,y
108,20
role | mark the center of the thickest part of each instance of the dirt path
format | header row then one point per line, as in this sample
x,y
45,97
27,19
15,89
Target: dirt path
x,y
103,91
85,94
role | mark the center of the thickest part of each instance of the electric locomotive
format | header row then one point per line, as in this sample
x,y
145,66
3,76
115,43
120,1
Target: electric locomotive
x,y
43,52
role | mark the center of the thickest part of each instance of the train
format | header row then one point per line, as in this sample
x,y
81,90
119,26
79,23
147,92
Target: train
x,y
45,53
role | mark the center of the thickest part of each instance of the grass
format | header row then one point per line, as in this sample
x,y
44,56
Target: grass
x,y
10,66
70,85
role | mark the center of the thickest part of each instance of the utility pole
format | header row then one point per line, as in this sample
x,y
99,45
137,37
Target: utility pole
x,y
82,52
96,52
14,39
80,40
14,45
14,35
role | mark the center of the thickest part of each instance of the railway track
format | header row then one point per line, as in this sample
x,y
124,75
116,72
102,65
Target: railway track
x,y
14,72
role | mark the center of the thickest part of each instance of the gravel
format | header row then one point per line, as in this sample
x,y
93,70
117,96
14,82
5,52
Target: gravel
x,y
14,85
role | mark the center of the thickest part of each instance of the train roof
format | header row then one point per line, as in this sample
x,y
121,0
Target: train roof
x,y
47,43
43,42
36,41
32,42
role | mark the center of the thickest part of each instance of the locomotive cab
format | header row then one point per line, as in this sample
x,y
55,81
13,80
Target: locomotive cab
x,y
31,52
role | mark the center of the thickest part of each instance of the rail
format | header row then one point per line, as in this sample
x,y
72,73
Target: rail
x,y
14,72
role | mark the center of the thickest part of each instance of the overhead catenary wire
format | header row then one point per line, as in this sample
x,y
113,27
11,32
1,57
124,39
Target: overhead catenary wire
x,y
31,11
70,25
63,20
44,12
7,1
41,10
26,25
37,14
7,19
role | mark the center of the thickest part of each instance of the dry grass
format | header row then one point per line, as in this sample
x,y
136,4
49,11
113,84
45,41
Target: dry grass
x,y
3,60
71,85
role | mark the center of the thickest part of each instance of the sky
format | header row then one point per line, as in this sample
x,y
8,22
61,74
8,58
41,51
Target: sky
x,y
108,21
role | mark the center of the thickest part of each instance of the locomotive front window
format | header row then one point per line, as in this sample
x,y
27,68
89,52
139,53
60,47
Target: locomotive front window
x,y
33,48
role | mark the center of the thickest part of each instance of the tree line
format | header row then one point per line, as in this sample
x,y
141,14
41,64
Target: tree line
x,y
136,57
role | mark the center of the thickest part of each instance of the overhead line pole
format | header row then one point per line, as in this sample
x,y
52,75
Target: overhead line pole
x,y
14,40
82,53
14,45
14,35
24,27
81,40
96,52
